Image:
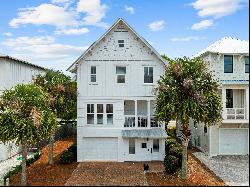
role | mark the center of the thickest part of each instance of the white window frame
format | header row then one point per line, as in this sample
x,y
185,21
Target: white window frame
x,y
90,113
100,113
93,74
148,74
120,74
106,114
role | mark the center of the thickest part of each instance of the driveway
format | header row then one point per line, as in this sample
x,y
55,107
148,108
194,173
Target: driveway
x,y
111,174
233,170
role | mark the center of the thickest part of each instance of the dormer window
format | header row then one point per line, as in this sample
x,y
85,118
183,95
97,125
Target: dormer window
x,y
121,43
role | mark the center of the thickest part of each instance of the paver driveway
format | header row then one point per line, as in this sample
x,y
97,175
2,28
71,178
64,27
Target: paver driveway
x,y
111,173
233,170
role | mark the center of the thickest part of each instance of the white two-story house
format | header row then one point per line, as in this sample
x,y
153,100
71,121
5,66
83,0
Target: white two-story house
x,y
12,72
228,60
116,76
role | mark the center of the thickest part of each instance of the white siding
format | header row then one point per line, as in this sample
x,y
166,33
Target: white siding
x,y
11,74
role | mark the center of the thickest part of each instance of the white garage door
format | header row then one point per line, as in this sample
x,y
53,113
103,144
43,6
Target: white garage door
x,y
100,149
233,142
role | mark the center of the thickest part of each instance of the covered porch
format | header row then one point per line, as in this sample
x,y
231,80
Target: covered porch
x,y
140,114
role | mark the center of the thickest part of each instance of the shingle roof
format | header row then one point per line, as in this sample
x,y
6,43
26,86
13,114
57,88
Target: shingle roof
x,y
21,61
227,45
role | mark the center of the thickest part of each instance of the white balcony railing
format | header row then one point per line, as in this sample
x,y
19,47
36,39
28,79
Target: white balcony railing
x,y
142,121
235,113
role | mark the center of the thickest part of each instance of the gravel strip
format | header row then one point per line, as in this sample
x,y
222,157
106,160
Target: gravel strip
x,y
233,170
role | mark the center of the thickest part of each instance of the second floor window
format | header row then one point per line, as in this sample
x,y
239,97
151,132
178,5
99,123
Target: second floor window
x,y
120,74
148,75
246,64
93,74
228,63
90,113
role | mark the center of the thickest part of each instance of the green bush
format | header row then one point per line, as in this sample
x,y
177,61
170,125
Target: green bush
x,y
169,142
171,132
73,149
177,152
171,164
66,158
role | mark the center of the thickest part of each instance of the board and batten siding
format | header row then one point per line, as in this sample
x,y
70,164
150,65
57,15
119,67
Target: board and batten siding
x,y
106,55
13,73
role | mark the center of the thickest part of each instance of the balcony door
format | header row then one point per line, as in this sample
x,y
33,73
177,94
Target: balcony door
x,y
229,97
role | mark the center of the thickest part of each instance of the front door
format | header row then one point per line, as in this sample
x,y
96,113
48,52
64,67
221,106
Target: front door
x,y
155,150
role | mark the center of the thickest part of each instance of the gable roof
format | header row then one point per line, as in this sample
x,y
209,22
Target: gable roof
x,y
227,45
74,65
20,61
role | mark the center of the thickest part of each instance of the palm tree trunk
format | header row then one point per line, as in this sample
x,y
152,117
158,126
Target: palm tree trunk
x,y
51,147
24,171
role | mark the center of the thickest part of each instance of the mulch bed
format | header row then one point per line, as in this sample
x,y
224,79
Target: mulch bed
x,y
198,175
42,174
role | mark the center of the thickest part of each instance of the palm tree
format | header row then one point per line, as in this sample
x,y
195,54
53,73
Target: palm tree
x,y
187,91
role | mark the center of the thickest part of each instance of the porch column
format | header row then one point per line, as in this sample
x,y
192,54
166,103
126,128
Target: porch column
x,y
136,118
223,98
148,112
247,103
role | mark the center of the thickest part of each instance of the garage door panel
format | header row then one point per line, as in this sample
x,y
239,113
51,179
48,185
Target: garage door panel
x,y
233,142
100,149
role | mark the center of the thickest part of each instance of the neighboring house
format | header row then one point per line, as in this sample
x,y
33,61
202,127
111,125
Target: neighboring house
x,y
116,76
228,59
12,72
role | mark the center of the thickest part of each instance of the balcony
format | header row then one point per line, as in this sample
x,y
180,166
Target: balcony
x,y
235,113
235,105
142,122
140,114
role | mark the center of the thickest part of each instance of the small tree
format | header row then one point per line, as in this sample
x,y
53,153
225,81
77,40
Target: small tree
x,y
25,118
62,92
187,90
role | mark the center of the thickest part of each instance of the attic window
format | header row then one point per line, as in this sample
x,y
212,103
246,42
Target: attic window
x,y
121,43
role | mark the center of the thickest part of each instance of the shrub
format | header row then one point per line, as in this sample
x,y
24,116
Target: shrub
x,y
73,149
171,164
177,152
66,158
168,144
171,131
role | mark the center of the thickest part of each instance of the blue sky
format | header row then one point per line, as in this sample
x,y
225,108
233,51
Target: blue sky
x,y
54,33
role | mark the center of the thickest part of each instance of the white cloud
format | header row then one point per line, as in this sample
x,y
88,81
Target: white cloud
x,y
94,10
130,9
72,31
45,14
204,24
187,39
60,1
157,25
44,51
7,34
216,8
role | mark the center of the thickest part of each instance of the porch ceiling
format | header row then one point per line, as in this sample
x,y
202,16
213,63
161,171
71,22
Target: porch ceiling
x,y
144,133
